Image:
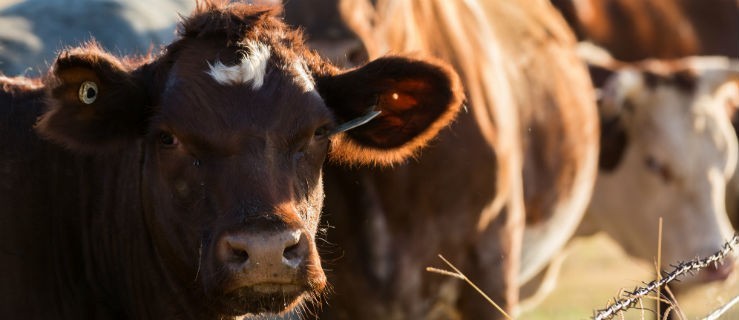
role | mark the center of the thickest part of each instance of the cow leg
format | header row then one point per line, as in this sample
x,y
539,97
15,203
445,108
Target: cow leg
x,y
534,291
493,267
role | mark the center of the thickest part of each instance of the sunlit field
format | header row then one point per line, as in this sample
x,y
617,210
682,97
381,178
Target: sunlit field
x,y
597,269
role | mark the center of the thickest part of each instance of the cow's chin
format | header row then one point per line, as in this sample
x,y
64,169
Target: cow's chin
x,y
263,298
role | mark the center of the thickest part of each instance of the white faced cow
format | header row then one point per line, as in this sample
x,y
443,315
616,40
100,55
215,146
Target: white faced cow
x,y
668,150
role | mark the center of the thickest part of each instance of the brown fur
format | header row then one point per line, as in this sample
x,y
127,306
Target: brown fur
x,y
524,150
634,30
117,115
19,84
363,146
148,201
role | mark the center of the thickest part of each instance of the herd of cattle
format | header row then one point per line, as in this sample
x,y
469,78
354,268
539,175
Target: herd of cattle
x,y
216,171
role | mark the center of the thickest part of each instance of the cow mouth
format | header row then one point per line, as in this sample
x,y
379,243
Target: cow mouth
x,y
718,272
268,297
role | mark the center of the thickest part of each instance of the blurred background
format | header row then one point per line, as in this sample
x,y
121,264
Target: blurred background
x,y
33,31
597,269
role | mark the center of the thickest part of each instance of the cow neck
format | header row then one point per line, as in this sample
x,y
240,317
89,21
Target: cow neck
x,y
122,269
177,274
112,230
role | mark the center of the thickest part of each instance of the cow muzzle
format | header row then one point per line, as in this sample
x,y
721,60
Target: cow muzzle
x,y
718,272
268,271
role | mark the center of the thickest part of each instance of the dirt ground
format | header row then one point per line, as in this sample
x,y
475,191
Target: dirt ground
x,y
597,269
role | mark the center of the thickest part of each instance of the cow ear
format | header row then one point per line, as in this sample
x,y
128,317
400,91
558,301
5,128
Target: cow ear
x,y
613,141
95,103
415,99
728,93
599,75
613,136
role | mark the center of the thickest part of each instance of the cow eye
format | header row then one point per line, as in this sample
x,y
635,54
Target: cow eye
x,y
167,139
656,167
628,105
322,132
88,92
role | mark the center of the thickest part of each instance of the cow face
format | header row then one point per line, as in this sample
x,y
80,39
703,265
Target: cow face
x,y
678,150
234,122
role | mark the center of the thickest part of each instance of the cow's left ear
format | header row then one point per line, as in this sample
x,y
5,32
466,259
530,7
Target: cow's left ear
x,y
415,98
613,136
95,104
728,93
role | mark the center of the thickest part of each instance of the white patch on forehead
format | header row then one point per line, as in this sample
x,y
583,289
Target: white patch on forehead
x,y
304,78
251,68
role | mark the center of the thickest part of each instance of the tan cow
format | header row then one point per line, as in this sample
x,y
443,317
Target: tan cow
x,y
525,152
634,30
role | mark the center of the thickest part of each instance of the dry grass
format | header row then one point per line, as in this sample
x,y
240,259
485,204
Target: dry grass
x,y
597,268
459,275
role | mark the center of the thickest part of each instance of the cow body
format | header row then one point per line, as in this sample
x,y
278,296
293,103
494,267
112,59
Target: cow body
x,y
469,194
70,241
189,185
390,224
633,30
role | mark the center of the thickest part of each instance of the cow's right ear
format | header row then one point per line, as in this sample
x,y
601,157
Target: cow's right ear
x,y
95,104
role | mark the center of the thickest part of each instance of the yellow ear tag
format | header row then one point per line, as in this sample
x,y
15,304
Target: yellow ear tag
x,y
88,92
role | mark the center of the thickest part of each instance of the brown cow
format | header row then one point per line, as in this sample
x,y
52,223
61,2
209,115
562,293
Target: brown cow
x,y
189,185
634,30
528,142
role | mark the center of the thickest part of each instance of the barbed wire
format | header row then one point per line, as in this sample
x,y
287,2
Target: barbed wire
x,y
632,297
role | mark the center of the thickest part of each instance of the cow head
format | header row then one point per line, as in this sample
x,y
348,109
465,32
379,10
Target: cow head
x,y
234,122
669,150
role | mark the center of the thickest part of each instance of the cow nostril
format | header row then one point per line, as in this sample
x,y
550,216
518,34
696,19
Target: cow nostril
x,y
719,271
239,255
292,252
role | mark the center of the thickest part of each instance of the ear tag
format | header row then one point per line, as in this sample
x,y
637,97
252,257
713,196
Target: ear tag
x,y
88,92
346,126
